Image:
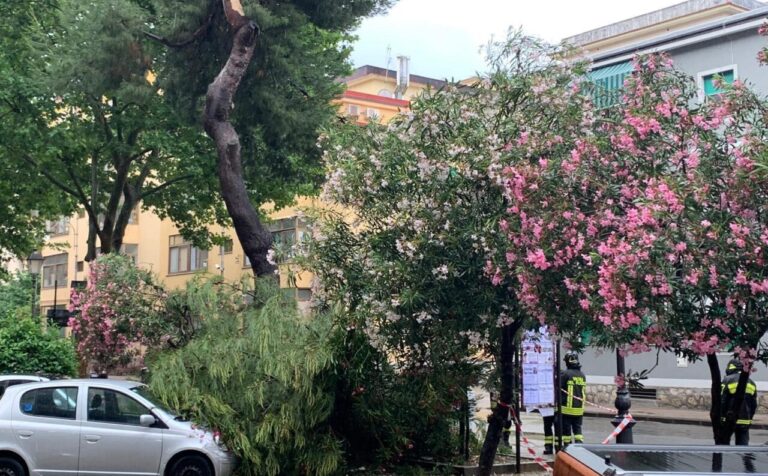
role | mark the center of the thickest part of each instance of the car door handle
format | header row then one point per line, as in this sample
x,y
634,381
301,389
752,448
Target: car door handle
x,y
92,438
25,434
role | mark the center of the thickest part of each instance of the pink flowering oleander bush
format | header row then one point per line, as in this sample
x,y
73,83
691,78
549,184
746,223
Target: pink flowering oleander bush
x,y
648,224
762,55
117,312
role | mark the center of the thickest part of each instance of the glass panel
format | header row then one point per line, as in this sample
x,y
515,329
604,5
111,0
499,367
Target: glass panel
x,y
50,402
61,273
113,407
202,259
183,258
710,87
133,218
303,295
132,251
174,261
193,258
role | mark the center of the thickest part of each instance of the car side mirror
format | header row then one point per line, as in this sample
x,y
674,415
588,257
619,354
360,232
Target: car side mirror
x,y
147,420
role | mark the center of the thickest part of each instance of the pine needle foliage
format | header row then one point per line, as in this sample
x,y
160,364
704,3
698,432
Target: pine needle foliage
x,y
260,376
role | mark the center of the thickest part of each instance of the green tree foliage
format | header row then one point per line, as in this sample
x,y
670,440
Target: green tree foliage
x,y
287,55
286,94
84,119
412,269
26,198
16,295
27,348
259,374
386,417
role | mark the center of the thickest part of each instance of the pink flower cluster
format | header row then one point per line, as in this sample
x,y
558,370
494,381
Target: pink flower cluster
x,y
652,227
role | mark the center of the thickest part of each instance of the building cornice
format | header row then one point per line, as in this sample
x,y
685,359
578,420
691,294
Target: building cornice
x,y
376,99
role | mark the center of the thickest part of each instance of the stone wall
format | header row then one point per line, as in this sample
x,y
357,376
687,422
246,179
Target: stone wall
x,y
684,398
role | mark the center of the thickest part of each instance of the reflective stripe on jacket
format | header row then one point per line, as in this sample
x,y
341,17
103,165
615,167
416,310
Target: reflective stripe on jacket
x,y
574,383
728,394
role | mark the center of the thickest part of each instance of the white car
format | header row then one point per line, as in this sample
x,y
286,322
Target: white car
x,y
95,427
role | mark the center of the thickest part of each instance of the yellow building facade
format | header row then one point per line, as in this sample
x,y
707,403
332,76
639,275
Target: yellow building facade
x,y
156,245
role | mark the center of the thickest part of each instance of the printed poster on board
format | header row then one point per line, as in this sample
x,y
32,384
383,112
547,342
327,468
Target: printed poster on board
x,y
538,369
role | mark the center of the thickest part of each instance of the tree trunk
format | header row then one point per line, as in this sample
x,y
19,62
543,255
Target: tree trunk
x,y
254,237
499,415
714,392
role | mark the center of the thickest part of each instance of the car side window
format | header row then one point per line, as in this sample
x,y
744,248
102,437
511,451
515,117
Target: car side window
x,y
54,402
110,406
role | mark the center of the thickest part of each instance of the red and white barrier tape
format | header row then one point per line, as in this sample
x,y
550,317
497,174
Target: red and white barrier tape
x,y
528,445
619,428
591,404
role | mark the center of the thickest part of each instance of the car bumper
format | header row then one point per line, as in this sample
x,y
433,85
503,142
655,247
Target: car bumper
x,y
225,465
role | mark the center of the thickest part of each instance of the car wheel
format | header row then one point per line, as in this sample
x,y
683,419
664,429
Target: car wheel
x,y
189,466
11,467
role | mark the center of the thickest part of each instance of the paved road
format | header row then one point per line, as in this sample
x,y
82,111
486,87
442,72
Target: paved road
x,y
651,432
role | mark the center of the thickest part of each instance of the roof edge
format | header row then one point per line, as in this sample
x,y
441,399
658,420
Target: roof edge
x,y
655,17
719,24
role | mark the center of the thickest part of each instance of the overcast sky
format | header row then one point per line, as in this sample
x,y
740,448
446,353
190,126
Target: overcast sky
x,y
443,37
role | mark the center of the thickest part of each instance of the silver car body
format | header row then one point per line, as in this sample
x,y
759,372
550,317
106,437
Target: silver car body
x,y
9,380
58,428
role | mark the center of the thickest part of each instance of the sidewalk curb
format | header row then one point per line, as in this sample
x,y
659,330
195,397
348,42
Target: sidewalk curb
x,y
641,416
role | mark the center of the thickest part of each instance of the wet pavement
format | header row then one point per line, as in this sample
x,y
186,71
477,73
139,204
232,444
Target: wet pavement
x,y
652,432
596,429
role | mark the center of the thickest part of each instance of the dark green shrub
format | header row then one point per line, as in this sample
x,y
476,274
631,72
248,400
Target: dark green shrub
x,y
26,348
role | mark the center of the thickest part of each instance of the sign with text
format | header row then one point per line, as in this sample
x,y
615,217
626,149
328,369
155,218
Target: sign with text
x,y
538,368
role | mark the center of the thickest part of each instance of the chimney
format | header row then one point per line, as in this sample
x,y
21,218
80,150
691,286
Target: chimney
x,y
403,76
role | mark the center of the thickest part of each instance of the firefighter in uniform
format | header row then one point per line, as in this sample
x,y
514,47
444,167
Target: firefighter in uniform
x,y
748,406
573,385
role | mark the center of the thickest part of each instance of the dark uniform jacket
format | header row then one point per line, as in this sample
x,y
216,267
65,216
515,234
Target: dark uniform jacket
x,y
728,394
574,383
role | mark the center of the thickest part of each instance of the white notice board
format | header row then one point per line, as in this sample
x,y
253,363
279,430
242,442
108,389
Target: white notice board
x,y
538,364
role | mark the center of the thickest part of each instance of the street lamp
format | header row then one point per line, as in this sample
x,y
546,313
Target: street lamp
x,y
622,403
34,264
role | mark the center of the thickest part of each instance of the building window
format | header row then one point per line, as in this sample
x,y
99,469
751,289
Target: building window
x,y
80,267
57,227
226,248
299,294
55,270
372,113
353,109
385,93
608,84
285,233
711,82
185,258
133,219
131,251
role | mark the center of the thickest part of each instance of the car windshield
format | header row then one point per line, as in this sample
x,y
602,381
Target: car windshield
x,y
143,390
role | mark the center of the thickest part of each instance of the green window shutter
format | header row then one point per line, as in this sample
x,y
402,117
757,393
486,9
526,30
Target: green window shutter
x,y
709,81
608,83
